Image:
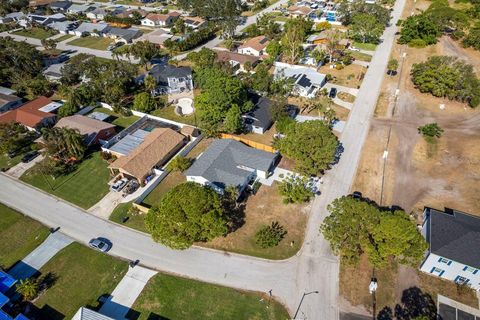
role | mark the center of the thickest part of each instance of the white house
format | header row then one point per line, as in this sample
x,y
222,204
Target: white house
x,y
171,79
306,81
93,29
159,20
254,46
454,242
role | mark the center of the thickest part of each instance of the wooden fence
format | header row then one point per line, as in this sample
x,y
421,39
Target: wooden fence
x,y
251,143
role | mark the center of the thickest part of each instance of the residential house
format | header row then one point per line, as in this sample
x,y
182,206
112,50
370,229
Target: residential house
x,y
92,29
129,13
255,46
46,20
97,14
34,114
300,11
54,72
94,131
260,118
123,35
194,23
63,27
228,162
171,79
160,20
88,314
9,102
6,90
453,238
156,148
237,60
157,37
16,16
7,284
60,6
306,81
5,19
80,8
39,3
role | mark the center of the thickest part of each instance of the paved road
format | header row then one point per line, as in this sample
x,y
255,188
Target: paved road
x,y
313,268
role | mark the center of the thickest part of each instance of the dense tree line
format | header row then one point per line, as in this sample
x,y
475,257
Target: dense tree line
x,y
192,41
446,76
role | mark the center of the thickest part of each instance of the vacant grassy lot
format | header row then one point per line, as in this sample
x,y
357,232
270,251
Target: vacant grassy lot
x,y
169,113
169,297
84,187
350,76
35,32
135,221
19,235
97,43
64,37
82,276
120,121
262,209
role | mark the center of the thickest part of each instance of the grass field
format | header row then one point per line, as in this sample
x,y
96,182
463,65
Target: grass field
x,y
169,297
35,32
121,122
169,113
135,221
365,46
64,37
97,43
84,187
83,275
361,56
19,235
6,162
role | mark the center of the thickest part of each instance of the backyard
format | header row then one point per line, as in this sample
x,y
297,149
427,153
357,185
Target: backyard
x,y
169,297
19,235
168,112
97,43
82,275
120,121
36,32
84,187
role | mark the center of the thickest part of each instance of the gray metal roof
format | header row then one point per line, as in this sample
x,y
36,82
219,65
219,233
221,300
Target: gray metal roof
x,y
227,162
87,314
455,236
130,142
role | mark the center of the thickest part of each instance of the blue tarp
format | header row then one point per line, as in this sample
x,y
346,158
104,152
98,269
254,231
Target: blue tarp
x,y
6,282
4,316
3,300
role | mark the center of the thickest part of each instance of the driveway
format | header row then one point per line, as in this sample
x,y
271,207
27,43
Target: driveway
x,y
30,265
126,292
104,207
352,91
20,168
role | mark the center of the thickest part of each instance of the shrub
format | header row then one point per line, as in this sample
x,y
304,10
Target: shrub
x,y
295,189
431,130
270,236
179,163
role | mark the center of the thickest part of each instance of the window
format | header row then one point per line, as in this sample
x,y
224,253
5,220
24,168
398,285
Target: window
x,y
461,280
437,271
470,269
444,260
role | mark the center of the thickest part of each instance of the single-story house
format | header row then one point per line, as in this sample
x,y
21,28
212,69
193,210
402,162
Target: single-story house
x,y
155,150
227,162
63,26
123,35
9,102
93,29
306,81
60,5
255,46
34,114
159,20
129,13
54,72
94,131
15,16
80,8
88,314
453,238
194,22
260,118
236,60
171,79
39,3
97,14
157,37
6,20
46,20
8,91
300,11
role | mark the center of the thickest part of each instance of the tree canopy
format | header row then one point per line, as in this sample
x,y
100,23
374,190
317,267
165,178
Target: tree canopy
x,y
14,136
355,227
186,214
311,144
419,30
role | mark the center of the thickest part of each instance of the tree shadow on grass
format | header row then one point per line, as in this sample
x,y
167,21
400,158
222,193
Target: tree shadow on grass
x,y
414,304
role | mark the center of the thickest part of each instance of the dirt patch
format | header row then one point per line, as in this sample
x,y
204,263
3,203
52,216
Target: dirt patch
x,y
350,76
346,97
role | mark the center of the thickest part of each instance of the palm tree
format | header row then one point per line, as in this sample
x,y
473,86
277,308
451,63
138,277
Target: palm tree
x,y
28,288
74,144
150,83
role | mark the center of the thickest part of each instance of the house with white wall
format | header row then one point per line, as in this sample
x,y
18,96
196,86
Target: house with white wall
x,y
255,46
306,80
454,242
160,20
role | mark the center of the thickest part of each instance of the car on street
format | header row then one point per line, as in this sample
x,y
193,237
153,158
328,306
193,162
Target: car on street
x,y
29,156
119,185
333,93
100,244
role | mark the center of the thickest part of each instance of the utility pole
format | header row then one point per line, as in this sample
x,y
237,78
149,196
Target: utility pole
x,y
372,288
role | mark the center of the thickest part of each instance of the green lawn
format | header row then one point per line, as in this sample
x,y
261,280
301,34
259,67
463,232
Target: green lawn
x,y
84,187
171,180
361,56
83,275
365,46
135,221
98,43
121,121
169,297
64,37
19,235
35,32
6,162
169,113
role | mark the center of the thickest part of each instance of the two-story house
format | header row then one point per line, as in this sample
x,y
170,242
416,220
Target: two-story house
x,y
171,79
454,242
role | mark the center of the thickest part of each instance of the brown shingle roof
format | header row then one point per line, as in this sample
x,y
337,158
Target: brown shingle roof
x,y
29,114
83,124
161,17
300,10
154,149
257,43
226,56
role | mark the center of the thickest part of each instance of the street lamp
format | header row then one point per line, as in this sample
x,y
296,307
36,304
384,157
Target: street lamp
x,y
301,300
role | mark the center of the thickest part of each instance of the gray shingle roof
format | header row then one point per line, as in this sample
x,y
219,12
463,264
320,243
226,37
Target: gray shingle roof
x,y
161,73
455,236
227,162
261,113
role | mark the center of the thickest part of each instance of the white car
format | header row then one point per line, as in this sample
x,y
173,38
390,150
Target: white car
x,y
118,186
353,49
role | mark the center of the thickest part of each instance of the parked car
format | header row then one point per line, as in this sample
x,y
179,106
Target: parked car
x,y
119,185
131,187
353,49
333,93
29,156
100,244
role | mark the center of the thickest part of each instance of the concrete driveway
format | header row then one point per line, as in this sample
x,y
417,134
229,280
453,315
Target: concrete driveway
x,y
104,207
20,168
29,266
126,292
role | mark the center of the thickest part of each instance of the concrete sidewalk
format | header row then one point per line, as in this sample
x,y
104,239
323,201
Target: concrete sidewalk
x,y
30,265
126,292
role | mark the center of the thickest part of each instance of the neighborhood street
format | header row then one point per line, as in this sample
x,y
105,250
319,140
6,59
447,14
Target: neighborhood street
x,y
314,268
